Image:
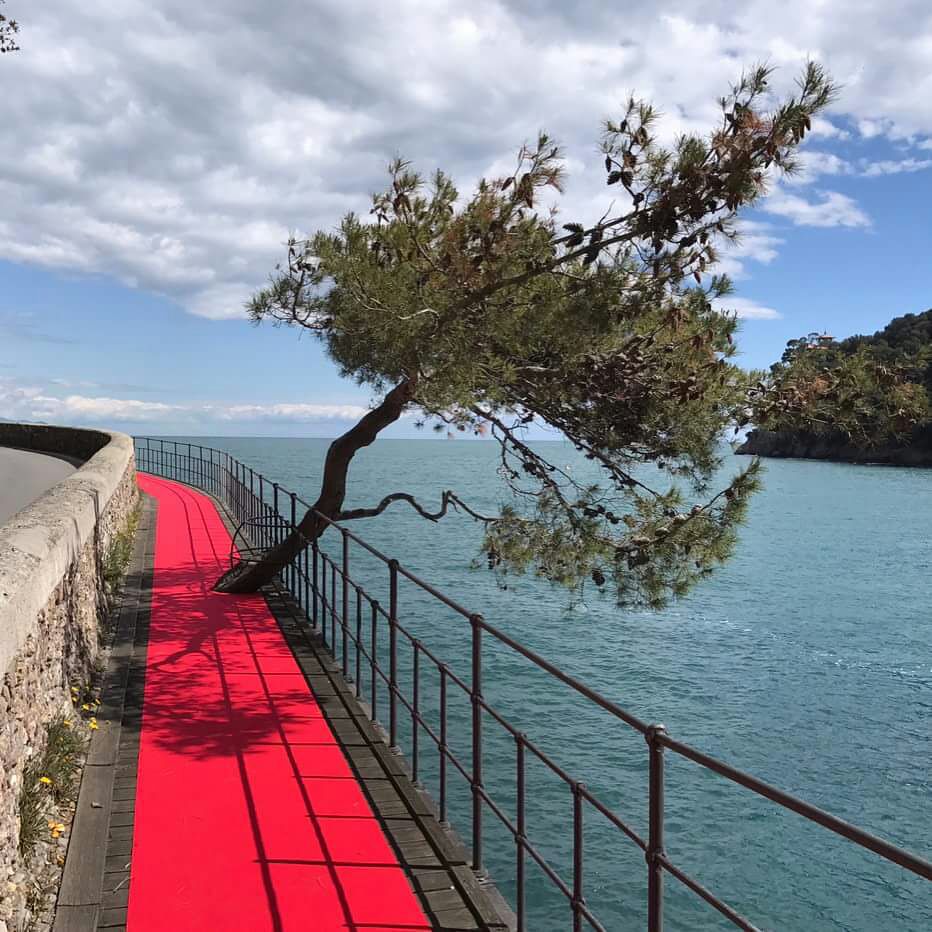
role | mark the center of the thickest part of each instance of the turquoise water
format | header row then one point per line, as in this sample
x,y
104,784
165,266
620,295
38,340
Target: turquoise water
x,y
806,661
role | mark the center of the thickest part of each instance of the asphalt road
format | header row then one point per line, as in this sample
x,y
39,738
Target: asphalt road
x,y
24,476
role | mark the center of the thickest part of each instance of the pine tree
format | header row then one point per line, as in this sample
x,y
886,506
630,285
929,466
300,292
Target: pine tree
x,y
493,311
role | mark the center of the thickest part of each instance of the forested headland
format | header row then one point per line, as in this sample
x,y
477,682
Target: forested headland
x,y
876,382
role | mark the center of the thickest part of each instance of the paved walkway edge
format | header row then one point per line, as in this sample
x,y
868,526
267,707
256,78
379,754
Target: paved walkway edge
x,y
95,879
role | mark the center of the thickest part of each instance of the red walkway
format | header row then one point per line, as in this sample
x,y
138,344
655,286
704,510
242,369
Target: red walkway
x,y
247,813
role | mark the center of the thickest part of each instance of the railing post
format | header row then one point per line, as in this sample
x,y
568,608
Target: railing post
x,y
333,610
357,678
374,663
323,600
314,585
475,695
252,499
233,503
415,708
276,516
393,654
307,584
345,600
521,838
260,530
578,898
293,566
443,742
655,830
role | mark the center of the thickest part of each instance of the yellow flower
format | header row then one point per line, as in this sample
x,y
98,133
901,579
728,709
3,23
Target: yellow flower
x,y
67,723
46,780
86,707
92,724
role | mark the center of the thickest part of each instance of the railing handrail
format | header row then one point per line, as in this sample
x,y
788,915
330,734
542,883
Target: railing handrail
x,y
657,738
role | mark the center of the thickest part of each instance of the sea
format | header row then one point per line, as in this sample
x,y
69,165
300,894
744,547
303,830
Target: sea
x,y
806,661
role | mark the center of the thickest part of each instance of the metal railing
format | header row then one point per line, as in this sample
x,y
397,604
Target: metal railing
x,y
327,594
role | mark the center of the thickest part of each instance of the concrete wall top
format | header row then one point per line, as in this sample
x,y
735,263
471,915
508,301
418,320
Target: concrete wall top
x,y
71,442
40,542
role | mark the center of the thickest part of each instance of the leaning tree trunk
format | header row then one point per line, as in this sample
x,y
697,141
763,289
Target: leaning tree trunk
x,y
248,577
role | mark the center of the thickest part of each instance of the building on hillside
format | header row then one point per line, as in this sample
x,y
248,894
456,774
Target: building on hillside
x,y
819,339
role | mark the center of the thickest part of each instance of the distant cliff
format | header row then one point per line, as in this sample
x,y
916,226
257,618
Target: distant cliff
x,y
875,388
798,444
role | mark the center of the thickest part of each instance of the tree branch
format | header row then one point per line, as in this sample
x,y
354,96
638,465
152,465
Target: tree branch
x,y
447,499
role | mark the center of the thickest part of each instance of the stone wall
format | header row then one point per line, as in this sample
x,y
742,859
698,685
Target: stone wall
x,y
52,602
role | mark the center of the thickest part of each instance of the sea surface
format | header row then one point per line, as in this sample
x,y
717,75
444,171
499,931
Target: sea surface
x,y
806,661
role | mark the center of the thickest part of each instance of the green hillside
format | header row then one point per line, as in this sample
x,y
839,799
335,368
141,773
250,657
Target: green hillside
x,y
863,398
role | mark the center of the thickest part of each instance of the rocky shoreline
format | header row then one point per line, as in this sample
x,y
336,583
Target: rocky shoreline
x,y
793,444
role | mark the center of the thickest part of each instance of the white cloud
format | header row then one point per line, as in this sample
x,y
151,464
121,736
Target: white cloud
x,y
756,243
832,209
28,402
175,145
82,407
745,308
220,302
828,130
813,163
285,412
895,166
871,128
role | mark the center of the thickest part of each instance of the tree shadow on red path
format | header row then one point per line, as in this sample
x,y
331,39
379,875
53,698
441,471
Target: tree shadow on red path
x,y
248,814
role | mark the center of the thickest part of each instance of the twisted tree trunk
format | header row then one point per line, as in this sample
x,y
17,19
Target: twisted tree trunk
x,y
249,577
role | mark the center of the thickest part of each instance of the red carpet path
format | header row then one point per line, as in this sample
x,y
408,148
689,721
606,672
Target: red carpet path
x,y
247,813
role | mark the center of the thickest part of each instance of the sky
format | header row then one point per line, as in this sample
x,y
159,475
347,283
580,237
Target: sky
x,y
155,158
